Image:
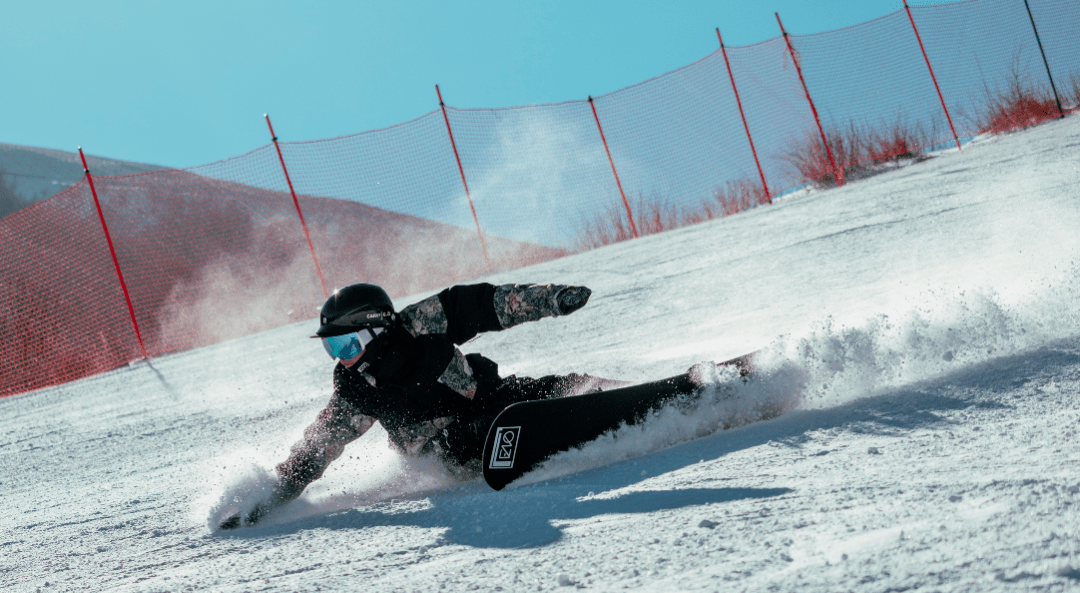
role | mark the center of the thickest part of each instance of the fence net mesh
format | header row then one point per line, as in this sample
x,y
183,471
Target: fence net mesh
x,y
218,251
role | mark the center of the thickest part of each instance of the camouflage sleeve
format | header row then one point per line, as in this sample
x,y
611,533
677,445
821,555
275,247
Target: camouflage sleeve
x,y
517,303
425,317
337,425
462,312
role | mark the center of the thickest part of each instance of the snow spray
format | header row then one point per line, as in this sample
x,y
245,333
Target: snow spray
x,y
829,364
368,472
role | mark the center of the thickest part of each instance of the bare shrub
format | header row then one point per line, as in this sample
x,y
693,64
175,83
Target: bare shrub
x,y
811,160
651,215
858,152
1021,109
896,143
610,226
657,214
736,196
1073,92
1019,104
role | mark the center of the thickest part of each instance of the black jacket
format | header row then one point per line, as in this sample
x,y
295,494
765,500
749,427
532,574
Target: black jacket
x,y
403,376
415,381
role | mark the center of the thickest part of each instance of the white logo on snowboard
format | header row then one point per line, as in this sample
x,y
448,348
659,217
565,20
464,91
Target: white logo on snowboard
x,y
506,443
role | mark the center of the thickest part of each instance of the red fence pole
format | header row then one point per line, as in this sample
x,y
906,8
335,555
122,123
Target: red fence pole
x,y
112,251
838,174
629,214
296,202
932,77
457,157
768,196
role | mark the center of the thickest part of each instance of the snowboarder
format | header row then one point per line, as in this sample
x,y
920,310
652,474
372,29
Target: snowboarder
x,y
404,370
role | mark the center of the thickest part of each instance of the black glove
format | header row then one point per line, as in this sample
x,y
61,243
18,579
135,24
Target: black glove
x,y
253,517
281,495
230,523
572,298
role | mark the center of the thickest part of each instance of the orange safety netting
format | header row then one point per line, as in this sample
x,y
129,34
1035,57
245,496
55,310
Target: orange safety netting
x,y
218,251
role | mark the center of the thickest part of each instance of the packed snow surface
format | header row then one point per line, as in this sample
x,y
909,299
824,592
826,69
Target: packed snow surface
x,y
922,325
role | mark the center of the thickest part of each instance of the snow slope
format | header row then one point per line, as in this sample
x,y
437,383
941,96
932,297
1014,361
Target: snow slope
x,y
925,324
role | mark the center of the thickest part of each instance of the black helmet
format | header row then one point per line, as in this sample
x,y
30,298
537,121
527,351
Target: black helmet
x,y
353,308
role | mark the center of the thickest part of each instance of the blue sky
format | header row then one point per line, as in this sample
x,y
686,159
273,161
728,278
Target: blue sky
x,y
181,84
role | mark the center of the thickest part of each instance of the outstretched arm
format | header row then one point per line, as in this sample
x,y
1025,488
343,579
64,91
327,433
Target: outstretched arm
x,y
462,312
517,303
337,425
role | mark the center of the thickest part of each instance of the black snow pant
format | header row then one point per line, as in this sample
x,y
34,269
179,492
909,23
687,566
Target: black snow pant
x,y
463,441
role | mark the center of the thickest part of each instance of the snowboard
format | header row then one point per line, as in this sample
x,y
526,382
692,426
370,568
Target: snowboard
x,y
526,433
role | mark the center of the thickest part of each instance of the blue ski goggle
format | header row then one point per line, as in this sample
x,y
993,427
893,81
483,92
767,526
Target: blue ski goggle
x,y
347,346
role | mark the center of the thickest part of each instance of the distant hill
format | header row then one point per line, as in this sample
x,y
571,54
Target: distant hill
x,y
205,261
29,174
